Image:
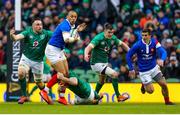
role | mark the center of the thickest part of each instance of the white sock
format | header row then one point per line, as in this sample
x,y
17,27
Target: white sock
x,y
46,89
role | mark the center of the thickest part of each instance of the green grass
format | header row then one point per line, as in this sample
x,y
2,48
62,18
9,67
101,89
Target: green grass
x,y
103,108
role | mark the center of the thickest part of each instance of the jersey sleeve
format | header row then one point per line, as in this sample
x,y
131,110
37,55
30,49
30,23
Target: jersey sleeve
x,y
117,41
157,43
65,28
24,33
95,41
49,34
129,55
162,53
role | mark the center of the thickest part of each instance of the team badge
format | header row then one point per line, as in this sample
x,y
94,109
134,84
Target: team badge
x,y
35,43
112,42
152,50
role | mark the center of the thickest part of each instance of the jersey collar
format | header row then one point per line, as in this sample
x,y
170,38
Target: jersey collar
x,y
145,42
72,26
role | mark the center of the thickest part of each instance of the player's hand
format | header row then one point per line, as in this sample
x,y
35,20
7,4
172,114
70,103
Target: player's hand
x,y
160,62
86,57
76,37
81,27
132,74
134,58
12,31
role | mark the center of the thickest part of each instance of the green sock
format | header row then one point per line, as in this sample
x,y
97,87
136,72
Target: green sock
x,y
50,93
96,96
98,87
23,86
115,86
34,89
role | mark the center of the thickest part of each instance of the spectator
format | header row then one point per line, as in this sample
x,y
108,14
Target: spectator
x,y
172,70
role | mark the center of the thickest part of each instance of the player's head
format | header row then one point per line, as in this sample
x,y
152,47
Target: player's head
x,y
108,30
72,17
37,25
146,34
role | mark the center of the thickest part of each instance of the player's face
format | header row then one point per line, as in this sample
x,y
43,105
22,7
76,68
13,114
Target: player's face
x,y
37,26
108,33
72,17
146,36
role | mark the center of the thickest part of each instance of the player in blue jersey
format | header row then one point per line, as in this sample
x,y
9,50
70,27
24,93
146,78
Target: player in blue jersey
x,y
146,50
65,32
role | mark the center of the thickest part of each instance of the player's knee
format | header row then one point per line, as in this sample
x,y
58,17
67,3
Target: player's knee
x,y
163,85
110,72
21,73
150,91
115,74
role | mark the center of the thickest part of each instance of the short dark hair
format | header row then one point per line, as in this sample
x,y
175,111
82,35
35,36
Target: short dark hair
x,y
108,26
34,19
146,31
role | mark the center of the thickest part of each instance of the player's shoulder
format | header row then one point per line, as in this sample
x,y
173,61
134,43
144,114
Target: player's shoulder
x,y
99,36
28,29
64,25
138,43
114,37
154,41
46,31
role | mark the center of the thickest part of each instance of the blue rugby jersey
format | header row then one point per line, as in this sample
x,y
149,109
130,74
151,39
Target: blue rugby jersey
x,y
57,37
146,54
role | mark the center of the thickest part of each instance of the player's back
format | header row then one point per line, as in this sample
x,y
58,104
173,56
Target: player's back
x,y
57,37
83,89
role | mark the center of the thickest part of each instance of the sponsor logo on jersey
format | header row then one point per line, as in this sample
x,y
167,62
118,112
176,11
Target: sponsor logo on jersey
x,y
102,43
31,37
42,36
147,56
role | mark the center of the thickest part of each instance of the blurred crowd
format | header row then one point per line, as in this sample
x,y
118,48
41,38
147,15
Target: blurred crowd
x,y
128,18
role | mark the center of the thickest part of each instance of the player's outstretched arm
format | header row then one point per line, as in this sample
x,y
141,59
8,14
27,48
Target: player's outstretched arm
x,y
71,81
15,37
125,46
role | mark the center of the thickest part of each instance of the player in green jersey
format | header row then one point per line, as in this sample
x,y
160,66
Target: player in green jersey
x,y
100,48
35,40
84,94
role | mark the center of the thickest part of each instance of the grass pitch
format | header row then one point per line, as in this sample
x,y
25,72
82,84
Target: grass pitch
x,y
103,108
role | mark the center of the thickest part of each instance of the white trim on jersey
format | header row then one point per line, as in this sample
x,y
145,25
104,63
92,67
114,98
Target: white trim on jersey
x,y
158,45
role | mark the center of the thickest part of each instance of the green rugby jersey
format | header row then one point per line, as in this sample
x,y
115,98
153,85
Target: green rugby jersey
x,y
83,89
35,44
103,46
